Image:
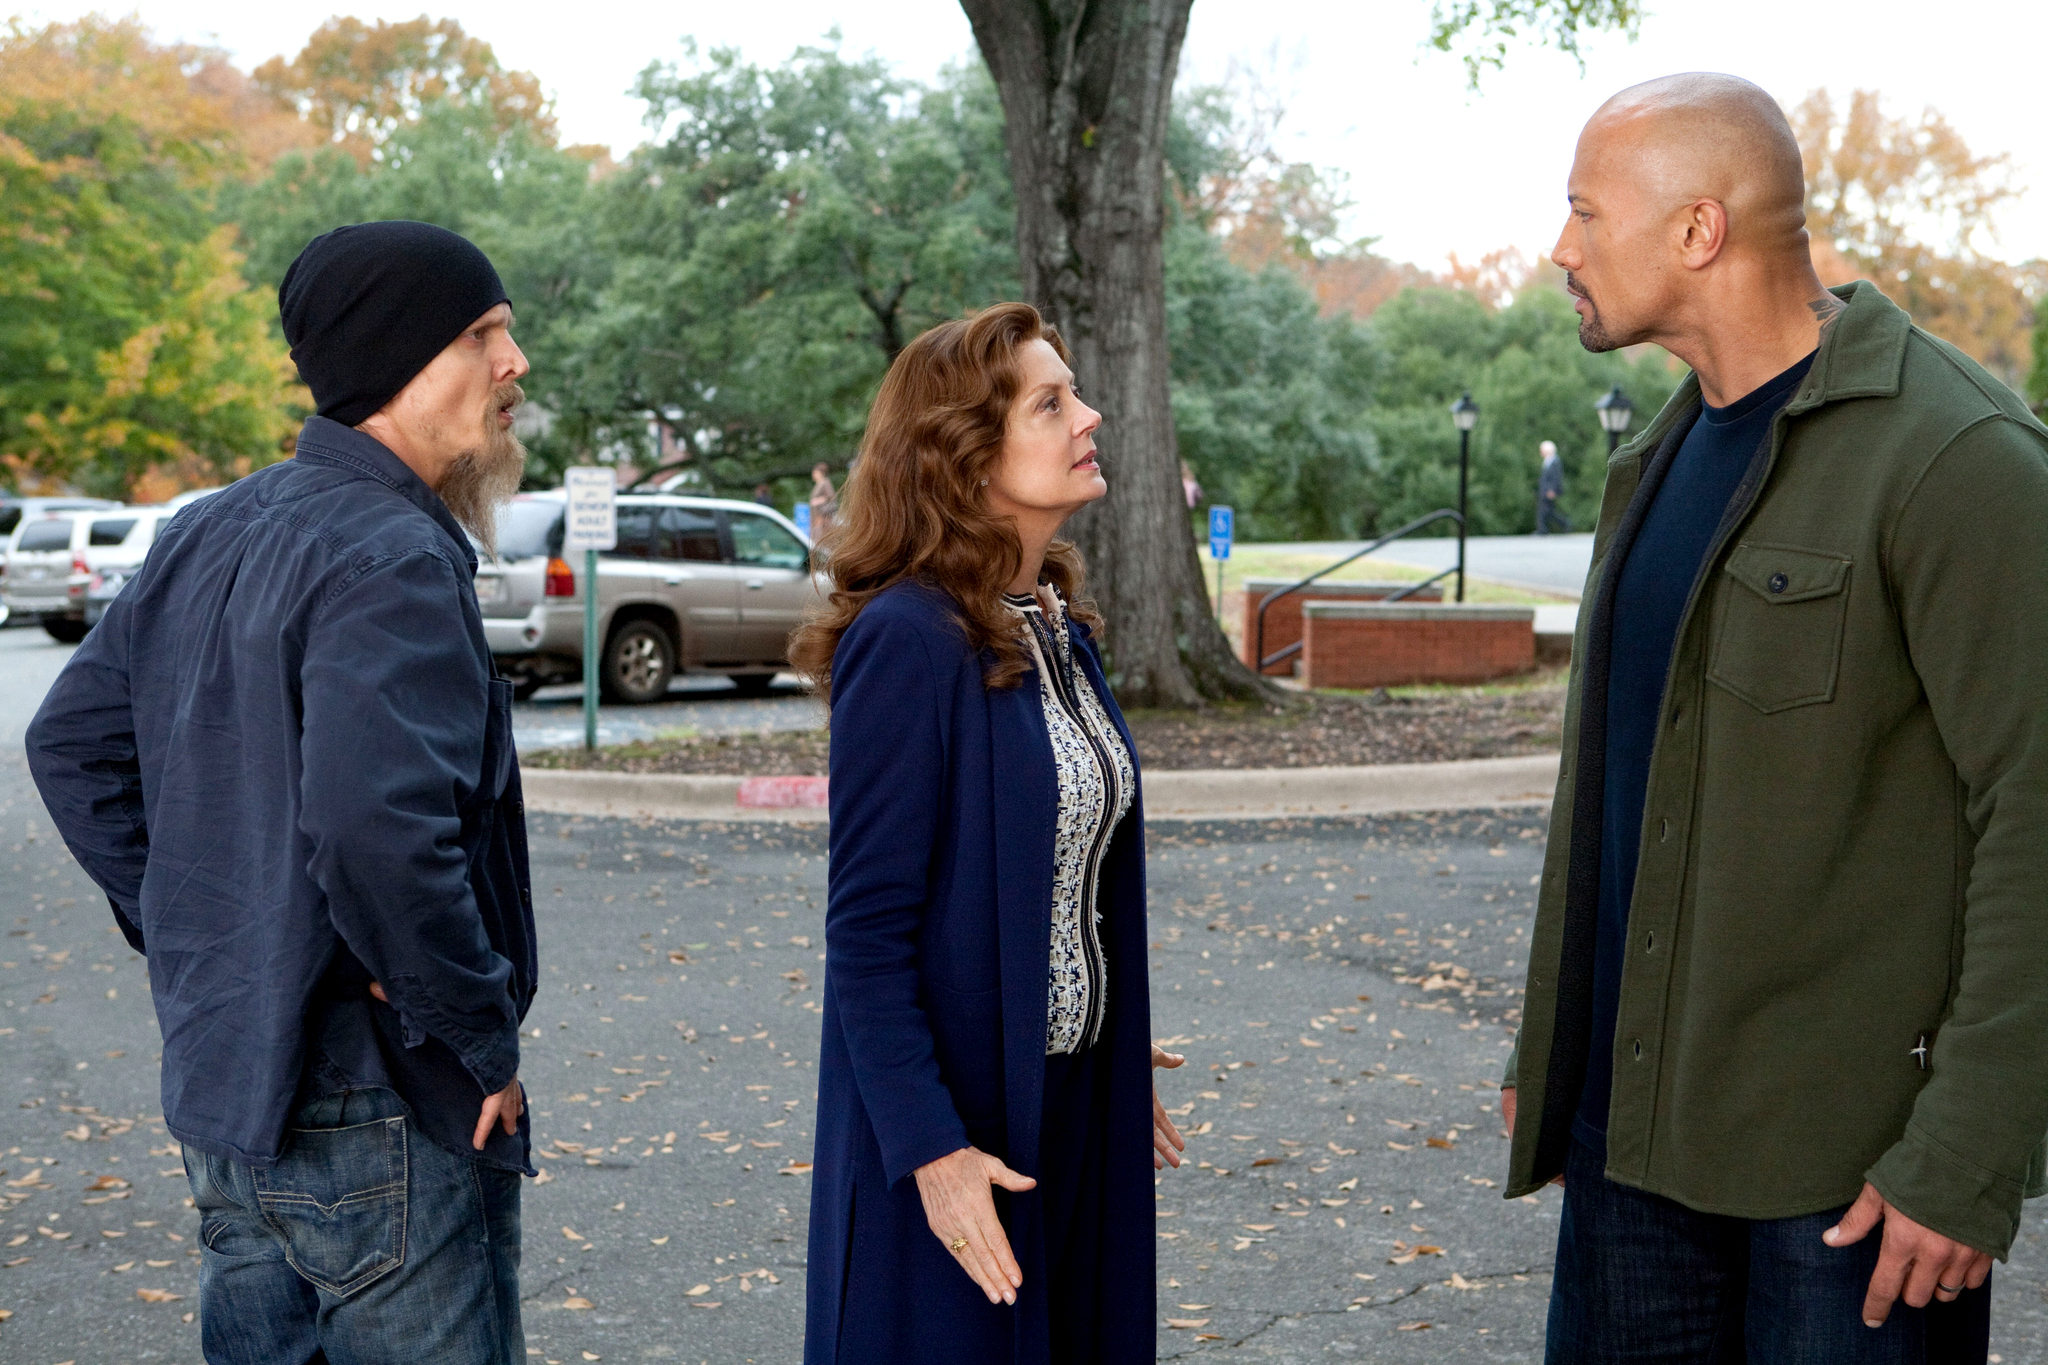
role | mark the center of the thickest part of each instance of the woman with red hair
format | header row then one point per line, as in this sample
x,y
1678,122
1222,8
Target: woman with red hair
x,y
985,1105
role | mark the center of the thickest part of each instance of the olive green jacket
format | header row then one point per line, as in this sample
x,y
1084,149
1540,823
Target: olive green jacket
x,y
1845,835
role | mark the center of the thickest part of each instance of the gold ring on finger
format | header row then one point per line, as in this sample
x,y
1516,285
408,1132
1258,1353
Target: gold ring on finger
x,y
958,1244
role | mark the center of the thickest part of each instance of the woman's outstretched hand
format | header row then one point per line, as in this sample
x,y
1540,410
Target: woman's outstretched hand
x,y
1167,1143
962,1214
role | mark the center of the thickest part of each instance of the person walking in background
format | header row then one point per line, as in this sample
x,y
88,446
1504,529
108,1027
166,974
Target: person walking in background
x,y
1786,1031
982,1190
824,501
1190,489
284,757
1549,488
764,496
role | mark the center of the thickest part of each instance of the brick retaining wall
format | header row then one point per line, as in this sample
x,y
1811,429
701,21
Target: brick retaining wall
x,y
1283,618
1362,644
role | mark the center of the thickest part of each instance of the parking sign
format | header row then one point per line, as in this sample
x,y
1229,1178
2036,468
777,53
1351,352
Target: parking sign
x,y
801,515
593,517
1221,529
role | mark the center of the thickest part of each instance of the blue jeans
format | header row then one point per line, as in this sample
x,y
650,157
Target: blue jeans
x,y
1643,1279
364,1244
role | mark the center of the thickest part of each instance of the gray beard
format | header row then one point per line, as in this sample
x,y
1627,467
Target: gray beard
x,y
483,480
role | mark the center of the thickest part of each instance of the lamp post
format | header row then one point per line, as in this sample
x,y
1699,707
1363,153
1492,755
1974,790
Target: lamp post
x,y
1615,413
1465,416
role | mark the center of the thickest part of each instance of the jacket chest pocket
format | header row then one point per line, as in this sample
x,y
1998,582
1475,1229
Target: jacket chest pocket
x,y
1779,642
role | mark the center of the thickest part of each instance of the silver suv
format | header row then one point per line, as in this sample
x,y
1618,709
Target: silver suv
x,y
51,571
696,585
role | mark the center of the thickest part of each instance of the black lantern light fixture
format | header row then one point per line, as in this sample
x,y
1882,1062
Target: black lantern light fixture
x,y
1615,413
1465,416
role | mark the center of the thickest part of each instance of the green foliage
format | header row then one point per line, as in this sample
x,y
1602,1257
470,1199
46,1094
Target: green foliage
x,y
128,340
1485,28
1533,382
2037,382
788,231
1270,400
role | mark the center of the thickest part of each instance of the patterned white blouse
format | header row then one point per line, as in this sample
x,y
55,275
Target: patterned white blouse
x,y
1097,782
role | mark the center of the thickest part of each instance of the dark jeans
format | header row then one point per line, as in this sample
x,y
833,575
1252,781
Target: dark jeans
x,y
1549,517
364,1244
1643,1279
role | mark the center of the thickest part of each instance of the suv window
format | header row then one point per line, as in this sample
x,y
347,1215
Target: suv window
x,y
529,527
636,532
106,533
51,534
687,533
10,517
757,540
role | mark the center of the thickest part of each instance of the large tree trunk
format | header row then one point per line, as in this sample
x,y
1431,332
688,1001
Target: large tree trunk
x,y
1086,88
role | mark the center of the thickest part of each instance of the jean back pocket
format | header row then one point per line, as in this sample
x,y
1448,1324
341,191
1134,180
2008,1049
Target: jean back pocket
x,y
338,1199
1779,644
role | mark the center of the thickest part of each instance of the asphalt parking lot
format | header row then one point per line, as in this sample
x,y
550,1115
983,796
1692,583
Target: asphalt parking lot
x,y
1343,989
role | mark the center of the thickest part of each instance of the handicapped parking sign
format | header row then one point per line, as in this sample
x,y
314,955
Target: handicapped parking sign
x,y
1221,530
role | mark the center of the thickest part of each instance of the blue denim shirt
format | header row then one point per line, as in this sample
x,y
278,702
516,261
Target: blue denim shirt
x,y
284,758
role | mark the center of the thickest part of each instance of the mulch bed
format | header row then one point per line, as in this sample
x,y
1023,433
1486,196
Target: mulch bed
x,y
1407,725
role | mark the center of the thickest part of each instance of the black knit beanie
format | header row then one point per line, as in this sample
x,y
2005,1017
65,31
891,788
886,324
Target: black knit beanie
x,y
367,306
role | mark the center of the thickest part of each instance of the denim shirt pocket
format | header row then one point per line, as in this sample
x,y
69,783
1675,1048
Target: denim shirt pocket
x,y
1779,642
499,753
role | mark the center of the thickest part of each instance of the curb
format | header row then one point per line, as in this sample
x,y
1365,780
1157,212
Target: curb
x,y
1184,794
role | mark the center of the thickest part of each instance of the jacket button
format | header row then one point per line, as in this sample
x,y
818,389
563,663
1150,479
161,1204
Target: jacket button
x,y
1779,582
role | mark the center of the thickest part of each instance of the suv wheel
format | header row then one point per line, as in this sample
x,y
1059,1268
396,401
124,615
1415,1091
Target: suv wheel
x,y
638,663
65,630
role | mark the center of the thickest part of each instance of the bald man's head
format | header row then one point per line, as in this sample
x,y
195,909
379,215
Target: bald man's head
x,y
1675,180
1702,135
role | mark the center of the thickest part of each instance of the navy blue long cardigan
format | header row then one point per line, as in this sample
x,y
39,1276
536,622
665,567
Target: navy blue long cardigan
x,y
938,936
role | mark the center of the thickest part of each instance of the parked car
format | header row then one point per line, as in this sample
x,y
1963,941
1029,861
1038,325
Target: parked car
x,y
696,585
15,512
51,568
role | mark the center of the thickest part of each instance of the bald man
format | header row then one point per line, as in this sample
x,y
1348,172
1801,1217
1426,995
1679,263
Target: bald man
x,y
1786,1035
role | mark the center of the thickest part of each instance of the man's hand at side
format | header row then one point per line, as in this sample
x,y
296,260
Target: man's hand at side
x,y
505,1107
1915,1263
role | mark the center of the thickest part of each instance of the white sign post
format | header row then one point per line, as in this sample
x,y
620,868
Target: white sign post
x,y
590,524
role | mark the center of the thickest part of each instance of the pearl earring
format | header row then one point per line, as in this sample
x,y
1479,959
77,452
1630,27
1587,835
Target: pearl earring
x,y
984,483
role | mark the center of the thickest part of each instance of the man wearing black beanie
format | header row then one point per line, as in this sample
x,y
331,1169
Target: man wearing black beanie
x,y
284,757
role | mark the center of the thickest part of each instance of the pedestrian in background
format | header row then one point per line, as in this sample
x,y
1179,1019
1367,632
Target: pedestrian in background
x,y
1549,488
824,501
982,1189
285,759
1786,1031
764,496
1189,487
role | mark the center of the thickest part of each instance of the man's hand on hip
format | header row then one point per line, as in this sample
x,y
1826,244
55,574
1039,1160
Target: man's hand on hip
x,y
1507,1118
503,1108
1915,1263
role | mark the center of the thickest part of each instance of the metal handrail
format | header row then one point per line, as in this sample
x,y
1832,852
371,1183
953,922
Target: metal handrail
x,y
1259,649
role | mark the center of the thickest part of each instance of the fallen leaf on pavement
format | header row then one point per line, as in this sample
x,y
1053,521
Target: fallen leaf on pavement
x,y
1415,1327
1187,1322
578,1302
697,1289
157,1296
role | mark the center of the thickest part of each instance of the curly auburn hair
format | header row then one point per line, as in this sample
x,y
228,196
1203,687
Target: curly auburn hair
x,y
912,506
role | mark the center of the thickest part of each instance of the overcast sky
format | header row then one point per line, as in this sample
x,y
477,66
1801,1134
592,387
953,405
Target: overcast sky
x,y
1434,167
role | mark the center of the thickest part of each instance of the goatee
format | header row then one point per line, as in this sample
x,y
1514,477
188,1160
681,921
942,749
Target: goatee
x,y
1593,333
483,479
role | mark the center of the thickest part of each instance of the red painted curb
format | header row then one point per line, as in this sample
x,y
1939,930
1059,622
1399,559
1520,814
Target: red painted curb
x,y
782,793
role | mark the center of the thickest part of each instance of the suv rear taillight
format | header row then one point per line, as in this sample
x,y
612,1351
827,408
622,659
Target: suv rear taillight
x,y
560,582
81,574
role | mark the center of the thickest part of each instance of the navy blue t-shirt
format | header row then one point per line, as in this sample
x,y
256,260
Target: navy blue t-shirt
x,y
1656,580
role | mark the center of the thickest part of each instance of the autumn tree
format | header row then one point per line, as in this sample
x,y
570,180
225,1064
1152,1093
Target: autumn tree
x,y
133,356
1904,203
1087,89
359,82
